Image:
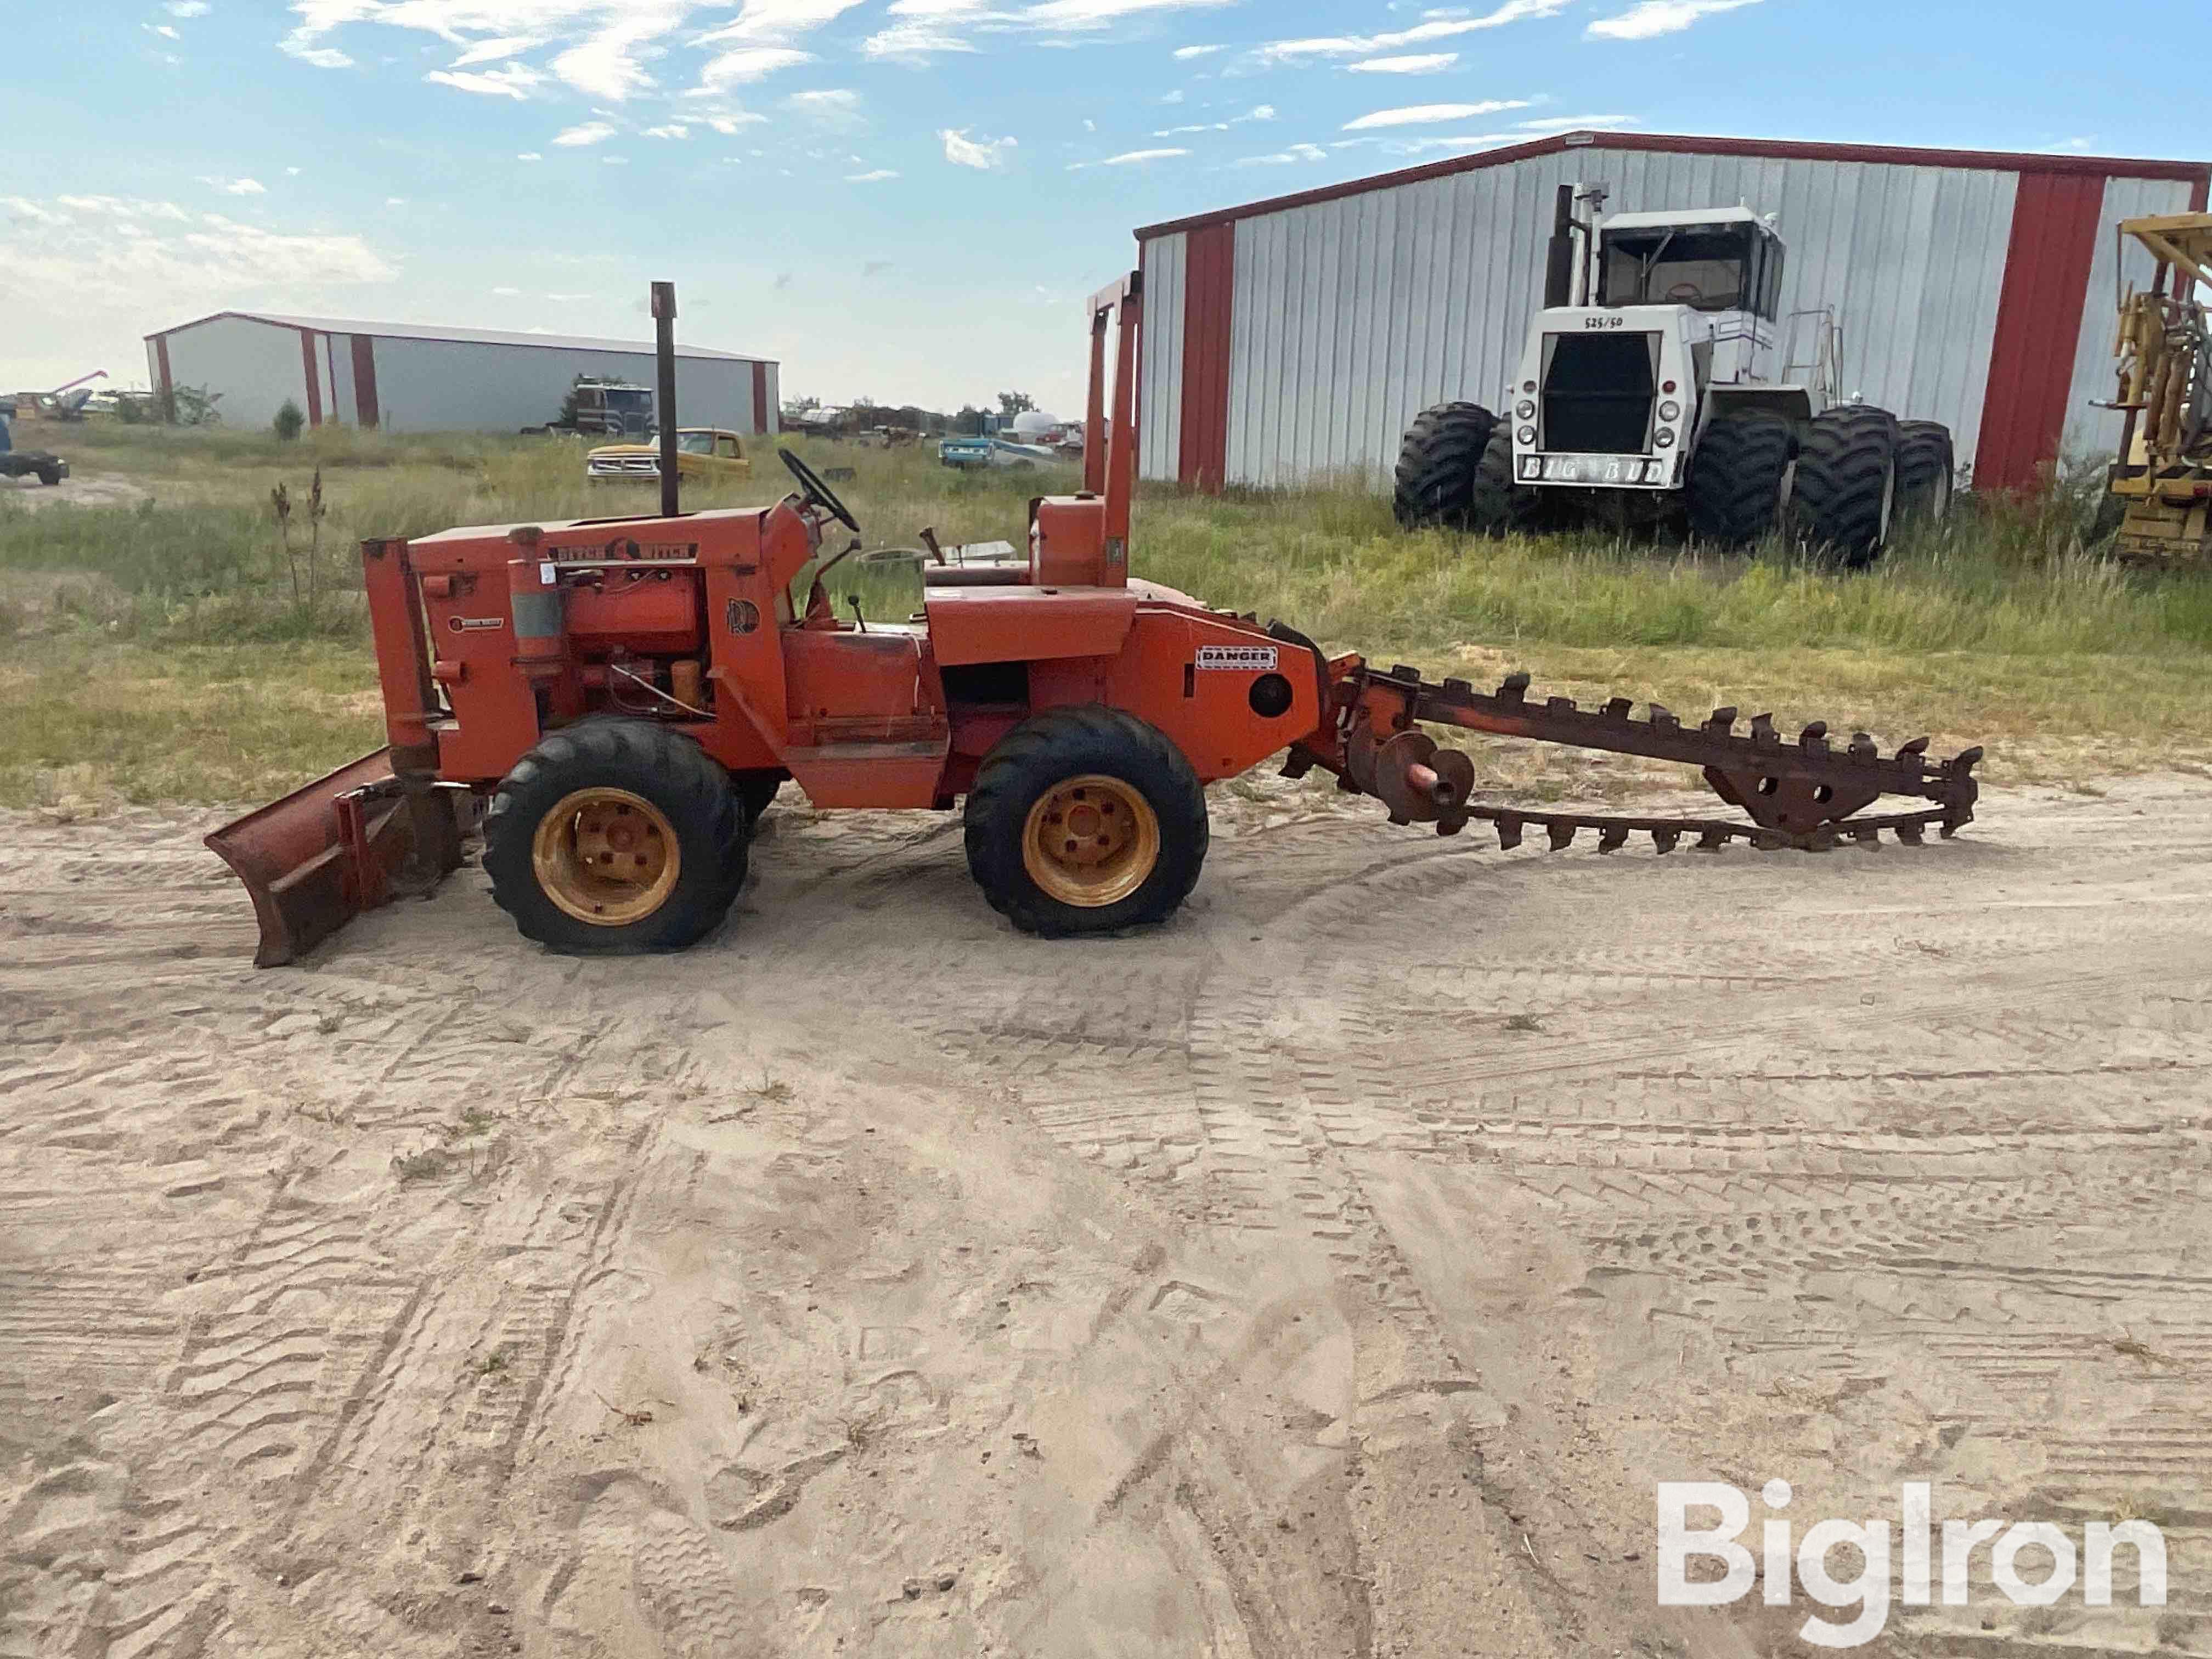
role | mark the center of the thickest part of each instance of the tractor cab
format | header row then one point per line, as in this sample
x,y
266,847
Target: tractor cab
x,y
1720,260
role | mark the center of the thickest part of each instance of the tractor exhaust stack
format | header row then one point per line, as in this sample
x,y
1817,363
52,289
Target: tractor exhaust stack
x,y
664,349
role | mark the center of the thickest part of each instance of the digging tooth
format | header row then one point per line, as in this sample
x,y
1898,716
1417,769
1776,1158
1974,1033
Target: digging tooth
x,y
1862,748
1612,838
1451,826
1400,671
1512,688
1458,689
1662,718
1711,841
1867,837
1562,835
1396,819
1722,721
1763,732
1509,832
1665,839
1908,833
1558,705
1813,739
1917,747
1618,709
1966,759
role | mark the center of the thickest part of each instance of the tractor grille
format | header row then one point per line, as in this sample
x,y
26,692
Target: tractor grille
x,y
627,466
1598,391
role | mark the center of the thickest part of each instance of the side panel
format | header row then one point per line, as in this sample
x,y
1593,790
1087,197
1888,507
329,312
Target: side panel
x,y
449,385
1353,314
2096,432
1159,423
2031,369
1027,624
311,372
367,409
256,367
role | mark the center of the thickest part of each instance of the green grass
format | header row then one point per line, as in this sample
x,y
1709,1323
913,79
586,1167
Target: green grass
x,y
160,651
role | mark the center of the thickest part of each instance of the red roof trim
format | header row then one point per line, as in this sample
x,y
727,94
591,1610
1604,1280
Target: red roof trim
x,y
1766,148
701,354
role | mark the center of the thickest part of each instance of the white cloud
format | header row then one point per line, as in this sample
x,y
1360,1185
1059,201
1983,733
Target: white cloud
x,y
1184,54
611,64
1575,122
1098,13
729,122
1285,157
162,29
508,292
1128,157
673,130
236,186
1419,115
529,155
1260,113
614,160
1655,17
983,153
395,201
779,20
516,81
912,43
876,177
746,64
188,8
591,132
1428,63
1435,28
491,51
836,107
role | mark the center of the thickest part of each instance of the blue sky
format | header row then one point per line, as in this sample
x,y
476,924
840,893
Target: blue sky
x,y
898,198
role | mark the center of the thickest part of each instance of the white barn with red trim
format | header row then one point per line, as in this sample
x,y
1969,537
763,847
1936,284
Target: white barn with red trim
x,y
1296,338
414,378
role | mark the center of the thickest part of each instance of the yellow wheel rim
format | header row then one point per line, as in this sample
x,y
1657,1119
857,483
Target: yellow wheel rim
x,y
1090,842
607,856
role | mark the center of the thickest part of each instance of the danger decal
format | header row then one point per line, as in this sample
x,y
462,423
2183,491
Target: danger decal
x,y
1241,659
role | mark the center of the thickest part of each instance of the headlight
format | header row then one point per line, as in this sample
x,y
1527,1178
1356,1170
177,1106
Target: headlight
x,y
1527,434
1525,409
1670,411
1527,386
1665,440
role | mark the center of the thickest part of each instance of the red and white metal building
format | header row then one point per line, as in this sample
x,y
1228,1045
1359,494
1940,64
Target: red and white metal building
x,y
412,377
1296,338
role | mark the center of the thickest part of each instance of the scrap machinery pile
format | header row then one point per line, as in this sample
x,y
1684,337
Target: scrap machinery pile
x,y
2163,477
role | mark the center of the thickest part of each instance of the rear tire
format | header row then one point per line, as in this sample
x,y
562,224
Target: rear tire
x,y
1737,477
1438,465
649,775
1844,502
757,790
1498,506
1045,757
1926,473
50,475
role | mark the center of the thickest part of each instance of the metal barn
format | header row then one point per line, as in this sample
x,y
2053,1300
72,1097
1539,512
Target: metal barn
x,y
408,377
1297,337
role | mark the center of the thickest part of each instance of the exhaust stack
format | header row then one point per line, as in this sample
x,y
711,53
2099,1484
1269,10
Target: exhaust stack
x,y
1559,254
664,349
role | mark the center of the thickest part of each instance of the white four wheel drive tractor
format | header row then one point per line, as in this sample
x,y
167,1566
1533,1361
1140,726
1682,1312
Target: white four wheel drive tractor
x,y
1661,386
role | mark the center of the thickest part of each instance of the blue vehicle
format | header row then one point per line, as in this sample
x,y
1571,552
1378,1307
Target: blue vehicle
x,y
969,453
18,463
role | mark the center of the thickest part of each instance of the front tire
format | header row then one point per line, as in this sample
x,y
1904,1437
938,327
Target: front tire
x,y
1737,477
1844,499
1085,820
1926,473
616,837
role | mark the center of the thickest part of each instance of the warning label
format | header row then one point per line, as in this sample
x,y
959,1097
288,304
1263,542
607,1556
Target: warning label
x,y
1246,658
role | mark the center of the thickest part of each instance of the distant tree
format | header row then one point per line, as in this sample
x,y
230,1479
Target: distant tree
x,y
801,406
289,421
187,405
1012,404
969,420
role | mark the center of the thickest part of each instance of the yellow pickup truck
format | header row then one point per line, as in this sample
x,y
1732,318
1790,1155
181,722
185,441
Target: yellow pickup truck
x,y
702,452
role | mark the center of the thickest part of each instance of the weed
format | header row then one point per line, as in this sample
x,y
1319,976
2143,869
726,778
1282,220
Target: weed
x,y
490,1364
426,1165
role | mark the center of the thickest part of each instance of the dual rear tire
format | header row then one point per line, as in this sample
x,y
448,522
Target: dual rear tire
x,y
1455,472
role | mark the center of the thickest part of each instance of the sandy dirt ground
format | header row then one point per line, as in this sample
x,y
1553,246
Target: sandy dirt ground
x,y
1331,1272
72,492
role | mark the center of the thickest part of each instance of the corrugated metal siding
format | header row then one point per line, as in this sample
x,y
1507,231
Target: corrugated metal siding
x,y
1353,315
1159,429
2097,431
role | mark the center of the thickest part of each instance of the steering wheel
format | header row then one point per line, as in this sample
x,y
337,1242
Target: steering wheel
x,y
811,486
1685,294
